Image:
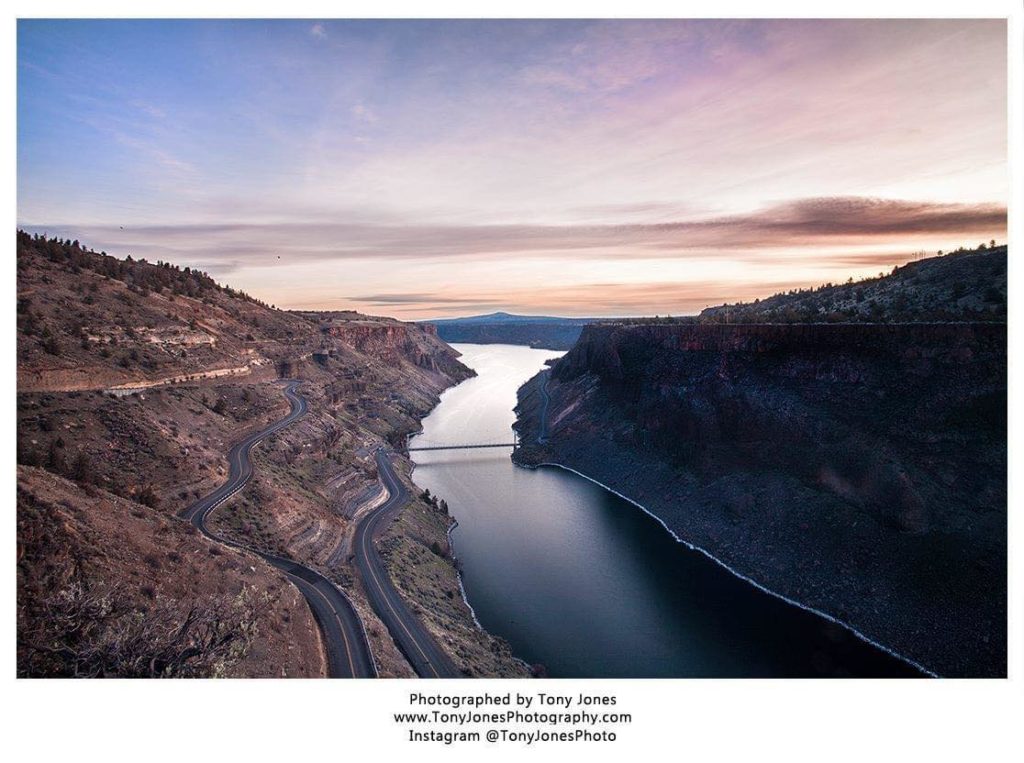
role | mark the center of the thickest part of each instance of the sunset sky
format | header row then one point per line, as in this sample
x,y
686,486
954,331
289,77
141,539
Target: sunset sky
x,y
434,168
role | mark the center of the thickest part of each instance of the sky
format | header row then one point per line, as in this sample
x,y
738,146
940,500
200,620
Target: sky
x,y
589,168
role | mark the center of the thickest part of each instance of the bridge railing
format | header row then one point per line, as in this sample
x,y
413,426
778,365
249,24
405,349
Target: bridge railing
x,y
467,447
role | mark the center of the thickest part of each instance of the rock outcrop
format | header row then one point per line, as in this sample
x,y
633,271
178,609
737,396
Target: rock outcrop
x,y
385,338
860,469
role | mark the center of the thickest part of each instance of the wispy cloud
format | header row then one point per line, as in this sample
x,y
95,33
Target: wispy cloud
x,y
583,299
854,219
150,109
314,160
420,298
806,223
364,113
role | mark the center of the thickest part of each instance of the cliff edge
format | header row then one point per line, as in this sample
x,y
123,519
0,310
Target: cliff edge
x,y
859,469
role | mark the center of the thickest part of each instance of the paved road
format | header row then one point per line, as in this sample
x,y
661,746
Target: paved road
x,y
427,658
542,429
348,654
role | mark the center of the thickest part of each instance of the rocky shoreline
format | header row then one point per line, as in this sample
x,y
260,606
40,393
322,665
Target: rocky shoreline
x,y
746,450
704,552
421,561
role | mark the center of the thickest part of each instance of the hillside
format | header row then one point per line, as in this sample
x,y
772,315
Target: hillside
x,y
856,468
134,379
91,321
966,285
90,563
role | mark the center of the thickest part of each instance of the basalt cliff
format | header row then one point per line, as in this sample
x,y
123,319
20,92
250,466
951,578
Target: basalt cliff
x,y
858,469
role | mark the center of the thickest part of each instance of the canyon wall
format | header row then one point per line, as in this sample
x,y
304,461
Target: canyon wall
x,y
193,367
857,469
416,343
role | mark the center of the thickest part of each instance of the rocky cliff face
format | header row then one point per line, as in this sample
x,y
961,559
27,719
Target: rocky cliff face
x,y
415,343
860,469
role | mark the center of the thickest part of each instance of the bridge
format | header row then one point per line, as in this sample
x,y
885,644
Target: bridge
x,y
468,447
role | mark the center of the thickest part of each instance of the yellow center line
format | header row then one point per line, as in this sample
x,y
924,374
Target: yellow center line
x,y
203,514
366,551
344,636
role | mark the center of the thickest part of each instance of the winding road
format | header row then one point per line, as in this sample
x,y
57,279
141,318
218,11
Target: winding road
x,y
348,653
427,658
542,434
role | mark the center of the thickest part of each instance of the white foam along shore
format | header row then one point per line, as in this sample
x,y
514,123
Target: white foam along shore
x,y
458,573
740,575
451,542
458,570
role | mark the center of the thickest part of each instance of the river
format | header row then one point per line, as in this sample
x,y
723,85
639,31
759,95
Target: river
x,y
588,585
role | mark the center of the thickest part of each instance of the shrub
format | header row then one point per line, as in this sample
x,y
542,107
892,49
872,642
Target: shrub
x,y
81,632
147,496
52,345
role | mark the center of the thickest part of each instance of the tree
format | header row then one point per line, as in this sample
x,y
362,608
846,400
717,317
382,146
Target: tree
x,y
54,457
81,469
147,496
52,345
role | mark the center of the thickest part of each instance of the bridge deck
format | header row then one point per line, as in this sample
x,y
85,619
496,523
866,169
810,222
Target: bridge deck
x,y
468,447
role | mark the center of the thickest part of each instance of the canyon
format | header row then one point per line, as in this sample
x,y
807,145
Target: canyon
x,y
134,380
856,469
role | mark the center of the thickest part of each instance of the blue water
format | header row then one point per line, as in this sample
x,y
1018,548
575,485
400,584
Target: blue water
x,y
588,585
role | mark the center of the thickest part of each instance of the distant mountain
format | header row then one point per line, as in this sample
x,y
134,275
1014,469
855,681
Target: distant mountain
x,y
542,331
501,317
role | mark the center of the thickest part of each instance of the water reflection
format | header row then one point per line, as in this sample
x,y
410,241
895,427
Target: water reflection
x,y
583,582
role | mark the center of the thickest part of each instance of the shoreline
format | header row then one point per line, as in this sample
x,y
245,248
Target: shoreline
x,y
926,673
473,621
465,597
451,544
458,574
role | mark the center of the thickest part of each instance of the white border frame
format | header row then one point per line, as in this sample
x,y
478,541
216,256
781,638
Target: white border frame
x,y
699,719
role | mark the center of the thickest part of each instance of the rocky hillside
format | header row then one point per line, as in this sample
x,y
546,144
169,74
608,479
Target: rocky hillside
x,y
857,468
89,321
134,381
965,285
388,338
109,587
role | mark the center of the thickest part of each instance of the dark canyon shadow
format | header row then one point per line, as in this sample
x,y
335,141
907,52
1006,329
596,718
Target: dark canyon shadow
x,y
585,583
